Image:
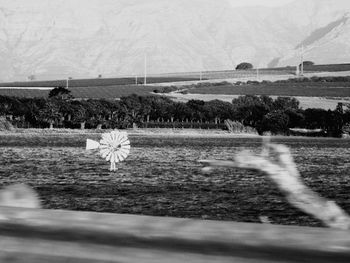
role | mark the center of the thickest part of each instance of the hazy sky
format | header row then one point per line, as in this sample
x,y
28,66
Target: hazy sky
x,y
233,2
259,2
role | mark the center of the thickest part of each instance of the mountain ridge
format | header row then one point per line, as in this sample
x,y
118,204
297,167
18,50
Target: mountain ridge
x,y
53,39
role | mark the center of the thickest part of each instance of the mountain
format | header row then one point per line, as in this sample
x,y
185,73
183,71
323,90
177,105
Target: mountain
x,y
84,38
327,25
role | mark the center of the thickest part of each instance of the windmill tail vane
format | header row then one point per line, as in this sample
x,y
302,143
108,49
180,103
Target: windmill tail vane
x,y
92,145
113,146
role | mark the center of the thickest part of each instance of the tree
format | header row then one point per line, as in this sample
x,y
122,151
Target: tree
x,y
182,111
307,63
296,118
315,118
134,109
267,101
197,109
286,103
6,105
218,111
60,93
335,121
346,116
80,115
50,113
160,108
251,109
66,109
13,108
276,122
32,110
117,116
346,119
244,66
99,113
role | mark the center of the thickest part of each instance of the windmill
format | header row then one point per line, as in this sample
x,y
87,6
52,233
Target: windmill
x,y
113,146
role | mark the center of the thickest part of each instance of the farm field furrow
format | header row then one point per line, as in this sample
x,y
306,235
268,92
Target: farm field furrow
x,y
336,89
162,177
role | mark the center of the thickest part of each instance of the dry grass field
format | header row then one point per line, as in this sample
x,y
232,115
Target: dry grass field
x,y
162,177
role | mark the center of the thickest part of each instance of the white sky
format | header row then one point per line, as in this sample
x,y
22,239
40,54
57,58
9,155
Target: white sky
x,y
259,2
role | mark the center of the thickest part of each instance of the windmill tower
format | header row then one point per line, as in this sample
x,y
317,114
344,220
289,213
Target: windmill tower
x,y
145,71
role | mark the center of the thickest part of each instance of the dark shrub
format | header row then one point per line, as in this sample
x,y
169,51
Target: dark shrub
x,y
244,66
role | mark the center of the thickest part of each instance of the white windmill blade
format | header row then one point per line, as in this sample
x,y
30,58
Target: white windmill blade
x,y
92,145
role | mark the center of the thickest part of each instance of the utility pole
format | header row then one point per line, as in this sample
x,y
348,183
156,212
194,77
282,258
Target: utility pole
x,y
67,84
145,71
136,80
302,60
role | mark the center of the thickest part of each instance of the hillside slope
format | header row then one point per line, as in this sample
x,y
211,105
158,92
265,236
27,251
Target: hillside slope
x,y
85,38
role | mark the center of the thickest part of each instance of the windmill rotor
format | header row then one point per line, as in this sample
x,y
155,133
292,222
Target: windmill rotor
x,y
113,146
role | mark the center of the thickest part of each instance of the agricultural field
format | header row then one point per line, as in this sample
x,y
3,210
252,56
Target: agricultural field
x,y
304,102
323,93
103,92
313,68
162,177
328,68
309,89
269,73
179,77
97,82
310,95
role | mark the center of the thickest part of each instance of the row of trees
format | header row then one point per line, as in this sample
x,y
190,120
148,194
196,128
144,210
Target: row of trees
x,y
260,112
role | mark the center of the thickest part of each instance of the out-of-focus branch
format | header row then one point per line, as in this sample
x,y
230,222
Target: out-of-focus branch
x,y
278,163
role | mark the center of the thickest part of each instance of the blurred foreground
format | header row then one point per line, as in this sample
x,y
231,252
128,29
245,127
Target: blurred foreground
x,y
34,235
31,234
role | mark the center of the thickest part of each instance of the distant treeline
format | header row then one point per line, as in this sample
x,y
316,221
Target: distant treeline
x,y
259,112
